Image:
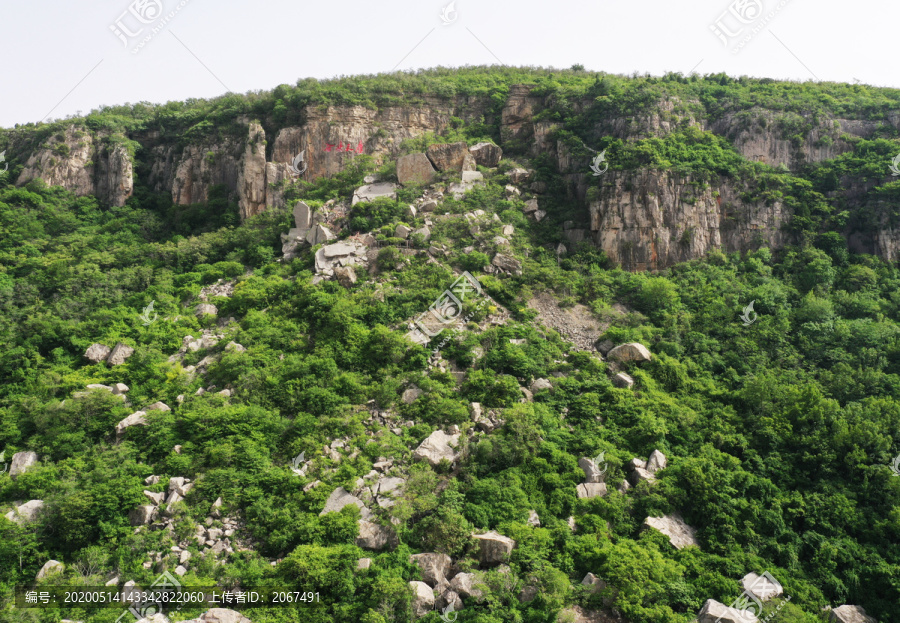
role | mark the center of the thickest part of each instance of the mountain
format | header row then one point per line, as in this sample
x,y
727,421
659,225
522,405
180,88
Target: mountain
x,y
488,344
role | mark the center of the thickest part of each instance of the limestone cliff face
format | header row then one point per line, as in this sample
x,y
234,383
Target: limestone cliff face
x,y
84,163
649,220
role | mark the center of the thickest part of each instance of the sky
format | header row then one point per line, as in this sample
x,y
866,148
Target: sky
x,y
64,58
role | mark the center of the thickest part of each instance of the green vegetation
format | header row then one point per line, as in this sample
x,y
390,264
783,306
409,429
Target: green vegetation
x,y
779,435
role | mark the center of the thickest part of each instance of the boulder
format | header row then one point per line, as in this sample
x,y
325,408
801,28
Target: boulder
x,y
373,191
434,567
540,384
508,230
539,215
156,498
415,169
138,418
302,216
629,352
589,490
423,598
716,612
205,309
234,347
119,354
592,473
437,446
97,353
386,489
374,536
345,275
50,567
531,206
507,263
636,463
158,406
486,154
422,231
765,587
402,231
99,386
849,614
447,156
495,548
143,515
21,462
319,235
27,512
411,395
533,519
469,163
470,178
656,462
639,475
680,534
464,584
518,175
596,584
120,389
363,564
340,498
623,380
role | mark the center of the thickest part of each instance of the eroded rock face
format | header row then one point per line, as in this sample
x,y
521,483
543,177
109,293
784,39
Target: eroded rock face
x,y
717,612
252,186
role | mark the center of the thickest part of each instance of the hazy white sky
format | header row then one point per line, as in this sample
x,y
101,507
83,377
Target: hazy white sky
x,y
60,57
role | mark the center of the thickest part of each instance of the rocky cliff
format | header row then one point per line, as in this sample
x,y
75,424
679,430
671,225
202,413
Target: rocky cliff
x,y
642,218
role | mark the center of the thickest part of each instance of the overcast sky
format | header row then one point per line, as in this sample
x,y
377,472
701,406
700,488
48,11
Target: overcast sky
x,y
61,57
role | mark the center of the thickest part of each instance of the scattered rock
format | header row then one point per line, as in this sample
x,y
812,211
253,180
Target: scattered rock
x,y
423,598
623,380
716,612
596,584
507,263
411,395
540,384
21,462
434,567
761,586
340,498
437,446
656,462
495,548
849,614
27,512
158,406
540,215
589,490
156,498
120,389
363,563
143,515
234,347
464,584
518,175
448,156
531,206
373,191
374,536
402,231
205,309
471,177
119,354
486,154
629,352
345,275
97,353
50,567
680,534
508,230
138,418
639,475
415,169
319,235
533,519
422,231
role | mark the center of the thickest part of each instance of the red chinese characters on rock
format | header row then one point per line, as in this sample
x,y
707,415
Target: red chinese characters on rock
x,y
344,148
